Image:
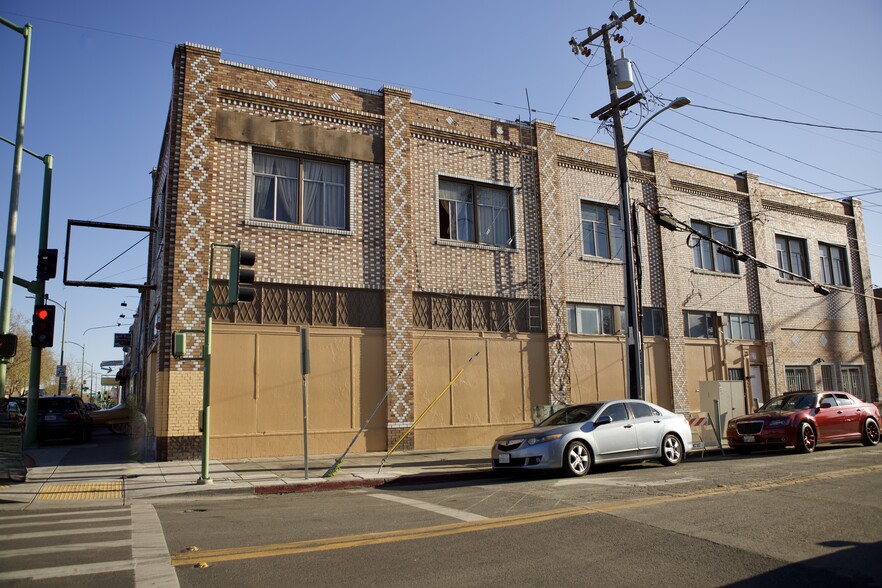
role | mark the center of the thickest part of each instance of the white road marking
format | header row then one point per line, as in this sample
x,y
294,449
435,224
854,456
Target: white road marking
x,y
62,548
57,533
67,571
79,512
625,483
65,521
150,551
442,510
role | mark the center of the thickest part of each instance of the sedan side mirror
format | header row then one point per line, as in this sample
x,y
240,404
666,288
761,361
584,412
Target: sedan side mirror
x,y
604,420
825,405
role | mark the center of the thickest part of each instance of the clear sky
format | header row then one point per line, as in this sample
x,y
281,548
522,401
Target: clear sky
x,y
100,84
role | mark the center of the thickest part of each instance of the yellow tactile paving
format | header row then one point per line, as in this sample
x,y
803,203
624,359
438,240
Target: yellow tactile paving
x,y
86,491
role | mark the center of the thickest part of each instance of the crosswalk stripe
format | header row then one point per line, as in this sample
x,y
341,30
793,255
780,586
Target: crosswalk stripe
x,y
438,509
67,571
57,533
67,515
64,548
64,521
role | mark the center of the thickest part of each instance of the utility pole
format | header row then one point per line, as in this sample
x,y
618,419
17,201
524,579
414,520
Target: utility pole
x,y
633,331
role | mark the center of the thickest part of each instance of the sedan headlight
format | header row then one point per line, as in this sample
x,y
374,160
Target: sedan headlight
x,y
778,423
535,440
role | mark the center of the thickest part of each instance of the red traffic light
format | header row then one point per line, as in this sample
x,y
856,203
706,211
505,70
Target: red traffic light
x,y
41,314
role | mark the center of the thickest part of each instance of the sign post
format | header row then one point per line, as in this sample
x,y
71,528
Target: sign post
x,y
304,371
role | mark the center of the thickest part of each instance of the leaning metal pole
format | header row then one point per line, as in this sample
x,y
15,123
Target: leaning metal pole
x,y
8,266
632,307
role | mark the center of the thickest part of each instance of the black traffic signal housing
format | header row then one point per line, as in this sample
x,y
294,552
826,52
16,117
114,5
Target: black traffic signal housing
x,y
241,276
43,330
8,345
47,263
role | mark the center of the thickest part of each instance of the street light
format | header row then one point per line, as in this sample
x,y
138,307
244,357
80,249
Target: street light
x,y
82,361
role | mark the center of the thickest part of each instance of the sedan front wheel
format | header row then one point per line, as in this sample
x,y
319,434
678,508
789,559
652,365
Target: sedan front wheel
x,y
577,459
806,438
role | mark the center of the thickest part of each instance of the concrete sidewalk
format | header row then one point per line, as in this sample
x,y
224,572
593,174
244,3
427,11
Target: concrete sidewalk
x,y
49,482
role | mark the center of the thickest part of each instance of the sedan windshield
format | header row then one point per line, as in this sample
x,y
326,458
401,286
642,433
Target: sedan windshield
x,y
570,415
789,402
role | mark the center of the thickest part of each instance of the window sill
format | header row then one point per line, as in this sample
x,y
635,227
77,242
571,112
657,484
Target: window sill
x,y
716,274
292,227
610,260
794,282
470,245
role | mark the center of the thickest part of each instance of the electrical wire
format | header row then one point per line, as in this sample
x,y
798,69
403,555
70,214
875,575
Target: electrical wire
x,y
697,49
782,120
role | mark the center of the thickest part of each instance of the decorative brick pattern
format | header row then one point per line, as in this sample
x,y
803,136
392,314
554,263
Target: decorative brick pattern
x,y
555,250
399,264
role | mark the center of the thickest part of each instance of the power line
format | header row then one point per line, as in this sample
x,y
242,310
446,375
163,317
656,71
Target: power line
x,y
697,49
776,75
790,122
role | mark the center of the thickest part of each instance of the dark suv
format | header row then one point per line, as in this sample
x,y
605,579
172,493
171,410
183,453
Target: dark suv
x,y
62,417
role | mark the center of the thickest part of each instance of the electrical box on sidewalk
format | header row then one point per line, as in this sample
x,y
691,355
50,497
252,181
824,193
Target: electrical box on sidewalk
x,y
722,400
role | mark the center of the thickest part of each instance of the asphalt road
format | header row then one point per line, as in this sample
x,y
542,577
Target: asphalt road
x,y
764,520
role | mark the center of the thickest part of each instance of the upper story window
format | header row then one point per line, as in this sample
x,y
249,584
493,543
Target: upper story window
x,y
791,256
653,322
834,265
298,190
602,233
590,319
741,326
700,324
705,253
475,213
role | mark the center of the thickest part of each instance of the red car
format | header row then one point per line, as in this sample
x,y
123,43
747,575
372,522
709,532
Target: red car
x,y
804,419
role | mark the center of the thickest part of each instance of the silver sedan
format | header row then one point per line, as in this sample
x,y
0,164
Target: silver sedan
x,y
577,436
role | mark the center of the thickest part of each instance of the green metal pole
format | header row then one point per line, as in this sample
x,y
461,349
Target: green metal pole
x,y
205,478
30,433
6,298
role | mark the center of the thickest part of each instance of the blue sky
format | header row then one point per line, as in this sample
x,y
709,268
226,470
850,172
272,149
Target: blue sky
x,y
100,84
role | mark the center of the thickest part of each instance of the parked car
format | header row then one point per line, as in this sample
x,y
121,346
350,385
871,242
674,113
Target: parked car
x,y
63,417
804,419
117,419
580,435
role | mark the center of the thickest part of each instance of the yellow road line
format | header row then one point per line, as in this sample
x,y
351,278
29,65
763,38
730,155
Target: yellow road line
x,y
347,542
84,491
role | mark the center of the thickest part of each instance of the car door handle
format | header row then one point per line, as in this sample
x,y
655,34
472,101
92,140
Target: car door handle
x,y
838,412
656,422
628,426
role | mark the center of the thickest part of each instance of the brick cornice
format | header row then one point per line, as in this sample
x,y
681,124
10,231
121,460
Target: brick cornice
x,y
432,133
277,103
702,190
769,204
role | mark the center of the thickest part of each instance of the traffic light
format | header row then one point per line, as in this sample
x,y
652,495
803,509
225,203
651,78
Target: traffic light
x,y
47,262
241,276
8,345
43,330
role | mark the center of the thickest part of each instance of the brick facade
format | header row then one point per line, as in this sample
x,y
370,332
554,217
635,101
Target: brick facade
x,y
395,151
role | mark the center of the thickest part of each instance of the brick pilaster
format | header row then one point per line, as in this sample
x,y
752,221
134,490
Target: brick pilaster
x,y
553,253
399,266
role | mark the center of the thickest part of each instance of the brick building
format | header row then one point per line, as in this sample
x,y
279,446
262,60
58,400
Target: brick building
x,y
415,240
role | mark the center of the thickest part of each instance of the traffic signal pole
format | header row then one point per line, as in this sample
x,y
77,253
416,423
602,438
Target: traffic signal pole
x,y
30,432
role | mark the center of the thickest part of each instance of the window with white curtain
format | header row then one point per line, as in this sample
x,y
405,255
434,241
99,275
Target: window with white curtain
x,y
834,265
602,231
473,212
590,319
300,191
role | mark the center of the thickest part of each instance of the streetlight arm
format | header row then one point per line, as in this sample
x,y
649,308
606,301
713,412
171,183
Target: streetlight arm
x,y
103,327
676,103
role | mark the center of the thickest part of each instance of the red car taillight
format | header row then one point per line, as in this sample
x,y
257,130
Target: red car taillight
x,y
72,416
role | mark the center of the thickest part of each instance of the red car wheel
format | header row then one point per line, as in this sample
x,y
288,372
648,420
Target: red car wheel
x,y
871,432
806,439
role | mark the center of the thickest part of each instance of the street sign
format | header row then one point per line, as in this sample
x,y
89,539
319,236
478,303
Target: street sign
x,y
122,339
62,383
61,371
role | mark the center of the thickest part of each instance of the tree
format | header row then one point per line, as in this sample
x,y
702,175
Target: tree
x,y
18,370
